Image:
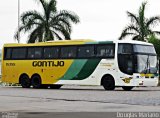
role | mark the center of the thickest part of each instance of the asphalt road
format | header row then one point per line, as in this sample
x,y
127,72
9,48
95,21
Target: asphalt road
x,y
79,99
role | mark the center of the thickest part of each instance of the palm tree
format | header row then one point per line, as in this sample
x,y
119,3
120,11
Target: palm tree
x,y
51,25
140,27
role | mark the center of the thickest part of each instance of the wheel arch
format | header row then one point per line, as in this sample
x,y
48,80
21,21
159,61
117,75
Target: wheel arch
x,y
35,74
104,76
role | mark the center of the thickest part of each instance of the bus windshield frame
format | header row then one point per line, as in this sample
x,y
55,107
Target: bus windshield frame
x,y
137,58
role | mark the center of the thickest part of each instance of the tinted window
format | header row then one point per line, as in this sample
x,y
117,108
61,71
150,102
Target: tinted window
x,y
35,53
125,58
105,50
124,48
7,54
18,53
51,52
125,62
68,52
86,51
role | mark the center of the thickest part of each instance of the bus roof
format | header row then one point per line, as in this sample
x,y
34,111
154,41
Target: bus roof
x,y
64,42
73,42
132,42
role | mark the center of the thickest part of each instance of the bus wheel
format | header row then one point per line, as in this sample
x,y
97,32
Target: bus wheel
x,y
36,81
108,83
55,86
127,88
25,81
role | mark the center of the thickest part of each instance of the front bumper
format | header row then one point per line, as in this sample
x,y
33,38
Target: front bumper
x,y
141,80
145,82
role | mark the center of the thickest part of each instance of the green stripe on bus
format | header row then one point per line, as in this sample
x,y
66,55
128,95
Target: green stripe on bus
x,y
74,69
87,69
100,42
105,42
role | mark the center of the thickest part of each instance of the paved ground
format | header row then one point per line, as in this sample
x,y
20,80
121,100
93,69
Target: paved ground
x,y
79,99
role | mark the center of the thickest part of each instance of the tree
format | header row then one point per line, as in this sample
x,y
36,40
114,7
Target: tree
x,y
140,27
156,42
50,25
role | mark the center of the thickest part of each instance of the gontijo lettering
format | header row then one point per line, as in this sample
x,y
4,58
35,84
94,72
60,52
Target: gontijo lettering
x,y
48,63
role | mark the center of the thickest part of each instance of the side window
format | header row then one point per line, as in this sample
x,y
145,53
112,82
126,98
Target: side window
x,y
34,53
51,52
7,53
18,53
105,50
86,51
68,52
30,53
124,49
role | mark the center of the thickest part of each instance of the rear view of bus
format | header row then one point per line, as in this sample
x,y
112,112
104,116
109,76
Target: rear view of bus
x,y
138,60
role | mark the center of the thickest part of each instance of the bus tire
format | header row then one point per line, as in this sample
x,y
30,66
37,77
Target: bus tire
x,y
55,86
25,81
127,88
108,82
36,81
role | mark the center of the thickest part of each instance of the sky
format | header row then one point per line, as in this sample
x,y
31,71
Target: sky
x,y
100,19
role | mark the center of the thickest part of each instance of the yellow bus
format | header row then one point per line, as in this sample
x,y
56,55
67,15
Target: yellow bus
x,y
125,64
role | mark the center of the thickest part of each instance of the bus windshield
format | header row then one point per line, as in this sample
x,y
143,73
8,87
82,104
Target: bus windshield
x,y
147,49
137,58
146,59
